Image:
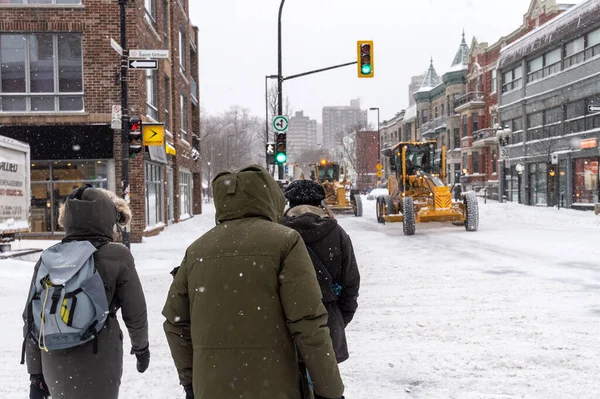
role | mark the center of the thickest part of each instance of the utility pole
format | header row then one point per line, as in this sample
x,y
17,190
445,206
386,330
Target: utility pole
x,y
279,78
125,117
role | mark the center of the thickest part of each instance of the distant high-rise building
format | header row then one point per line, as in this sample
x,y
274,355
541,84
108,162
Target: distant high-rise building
x,y
415,84
301,136
340,121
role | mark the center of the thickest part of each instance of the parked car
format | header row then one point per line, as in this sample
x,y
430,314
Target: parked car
x,y
378,192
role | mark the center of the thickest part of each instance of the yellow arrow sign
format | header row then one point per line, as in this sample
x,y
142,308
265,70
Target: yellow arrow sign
x,y
379,166
153,134
379,173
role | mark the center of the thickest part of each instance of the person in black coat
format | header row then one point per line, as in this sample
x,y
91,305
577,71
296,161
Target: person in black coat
x,y
331,249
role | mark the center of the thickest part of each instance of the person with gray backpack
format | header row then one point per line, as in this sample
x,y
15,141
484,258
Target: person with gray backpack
x,y
73,344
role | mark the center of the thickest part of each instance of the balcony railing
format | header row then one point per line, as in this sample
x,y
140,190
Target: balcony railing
x,y
194,90
431,126
484,134
467,98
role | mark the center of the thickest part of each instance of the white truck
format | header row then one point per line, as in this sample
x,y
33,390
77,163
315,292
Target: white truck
x,y
15,190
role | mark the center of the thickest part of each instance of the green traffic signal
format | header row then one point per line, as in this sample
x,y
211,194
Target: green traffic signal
x,y
281,157
366,69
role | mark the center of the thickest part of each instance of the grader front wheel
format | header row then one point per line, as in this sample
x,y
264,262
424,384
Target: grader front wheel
x,y
357,205
379,209
408,213
472,210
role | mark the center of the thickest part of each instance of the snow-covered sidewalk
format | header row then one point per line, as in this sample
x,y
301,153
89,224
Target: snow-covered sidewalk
x,y
511,311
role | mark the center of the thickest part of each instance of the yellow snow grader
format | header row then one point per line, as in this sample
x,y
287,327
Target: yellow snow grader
x,y
417,192
337,197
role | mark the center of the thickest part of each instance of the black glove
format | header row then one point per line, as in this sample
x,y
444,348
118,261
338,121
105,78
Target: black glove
x,y
38,388
189,392
143,358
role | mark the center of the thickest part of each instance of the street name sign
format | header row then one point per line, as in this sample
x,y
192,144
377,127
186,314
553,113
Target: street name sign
x,y
116,46
148,53
281,124
142,64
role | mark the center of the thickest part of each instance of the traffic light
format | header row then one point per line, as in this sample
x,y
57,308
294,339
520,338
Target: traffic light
x,y
280,154
366,59
136,144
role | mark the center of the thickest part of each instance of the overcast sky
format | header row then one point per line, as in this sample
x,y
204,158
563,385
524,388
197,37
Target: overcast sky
x,y
238,47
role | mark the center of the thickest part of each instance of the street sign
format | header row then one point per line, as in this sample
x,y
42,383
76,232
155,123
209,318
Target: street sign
x,y
379,173
148,53
116,117
281,124
504,153
142,64
153,134
588,143
379,166
116,46
554,158
593,108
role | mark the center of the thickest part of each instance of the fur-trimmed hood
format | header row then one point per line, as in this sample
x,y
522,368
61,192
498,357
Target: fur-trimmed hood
x,y
97,213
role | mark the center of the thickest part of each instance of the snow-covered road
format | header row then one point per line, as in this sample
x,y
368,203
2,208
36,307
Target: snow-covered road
x,y
511,311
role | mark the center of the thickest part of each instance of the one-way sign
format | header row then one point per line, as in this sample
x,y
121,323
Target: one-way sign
x,y
143,64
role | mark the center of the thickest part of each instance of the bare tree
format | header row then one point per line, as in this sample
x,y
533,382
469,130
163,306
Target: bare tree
x,y
272,105
353,155
313,156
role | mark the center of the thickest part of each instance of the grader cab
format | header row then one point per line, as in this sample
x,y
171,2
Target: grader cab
x,y
337,197
417,190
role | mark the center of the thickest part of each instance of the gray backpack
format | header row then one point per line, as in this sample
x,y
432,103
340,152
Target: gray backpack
x,y
67,304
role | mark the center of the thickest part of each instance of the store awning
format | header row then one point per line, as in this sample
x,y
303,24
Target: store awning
x,y
171,150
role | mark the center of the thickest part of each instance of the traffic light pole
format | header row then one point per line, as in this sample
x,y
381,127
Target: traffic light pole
x,y
125,118
279,79
320,70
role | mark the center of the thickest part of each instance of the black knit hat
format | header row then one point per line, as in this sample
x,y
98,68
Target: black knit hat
x,y
304,192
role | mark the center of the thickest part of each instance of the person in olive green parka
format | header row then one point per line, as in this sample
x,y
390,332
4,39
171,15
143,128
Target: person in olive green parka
x,y
244,297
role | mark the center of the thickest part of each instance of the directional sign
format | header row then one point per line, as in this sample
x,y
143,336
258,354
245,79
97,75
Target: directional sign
x,y
379,173
149,53
593,108
379,166
153,134
270,148
142,64
116,117
281,124
116,46
504,153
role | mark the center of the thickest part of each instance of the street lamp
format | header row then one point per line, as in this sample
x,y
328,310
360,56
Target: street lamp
x,y
503,136
520,168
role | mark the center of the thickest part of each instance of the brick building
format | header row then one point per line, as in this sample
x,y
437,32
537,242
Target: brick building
x,y
478,107
59,80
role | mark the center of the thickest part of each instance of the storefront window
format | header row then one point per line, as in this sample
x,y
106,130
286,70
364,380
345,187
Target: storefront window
x,y
52,182
562,182
538,181
185,194
154,195
586,181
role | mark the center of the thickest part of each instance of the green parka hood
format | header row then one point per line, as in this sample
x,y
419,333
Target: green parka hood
x,y
246,193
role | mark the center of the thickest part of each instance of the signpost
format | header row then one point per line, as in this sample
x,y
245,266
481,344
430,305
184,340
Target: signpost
x,y
281,124
153,134
117,114
149,53
142,64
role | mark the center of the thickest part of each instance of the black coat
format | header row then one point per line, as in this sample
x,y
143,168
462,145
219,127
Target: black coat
x,y
333,247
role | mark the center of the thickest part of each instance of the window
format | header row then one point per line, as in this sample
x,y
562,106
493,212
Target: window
x,y
494,161
424,115
553,119
575,117
182,48
442,111
476,162
475,122
534,126
466,161
593,44
544,65
165,24
185,194
436,112
183,107
167,103
574,53
534,68
494,83
512,79
586,180
152,94
41,72
150,11
154,195
465,126
456,139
